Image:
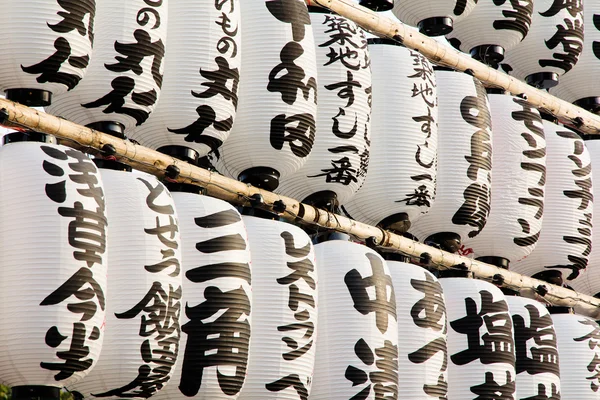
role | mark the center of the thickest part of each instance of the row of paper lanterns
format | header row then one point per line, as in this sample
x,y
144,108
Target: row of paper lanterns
x,y
114,287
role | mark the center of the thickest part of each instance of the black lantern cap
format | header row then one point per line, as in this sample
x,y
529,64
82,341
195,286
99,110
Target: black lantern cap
x,y
553,277
28,136
398,223
113,128
377,5
319,10
35,393
182,153
261,177
30,97
447,241
488,54
542,80
499,262
436,26
325,199
591,104
109,163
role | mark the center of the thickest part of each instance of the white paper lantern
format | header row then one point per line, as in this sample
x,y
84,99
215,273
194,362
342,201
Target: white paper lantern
x,y
215,323
274,129
53,274
400,184
565,240
519,161
462,199
537,361
125,74
576,86
578,340
47,46
357,348
284,311
433,17
552,46
481,355
338,162
422,329
492,28
202,71
144,297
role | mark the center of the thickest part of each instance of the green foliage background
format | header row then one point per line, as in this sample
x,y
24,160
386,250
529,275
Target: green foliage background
x,y
5,394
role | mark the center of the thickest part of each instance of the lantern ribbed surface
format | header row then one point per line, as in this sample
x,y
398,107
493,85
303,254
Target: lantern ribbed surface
x,y
277,109
589,280
519,159
144,297
578,342
576,84
481,354
284,311
502,24
422,329
537,361
215,321
462,199
340,155
199,95
565,240
554,41
53,276
47,43
357,348
124,77
402,168
412,12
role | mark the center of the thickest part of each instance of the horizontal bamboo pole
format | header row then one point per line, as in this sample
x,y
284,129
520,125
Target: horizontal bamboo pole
x,y
444,55
145,159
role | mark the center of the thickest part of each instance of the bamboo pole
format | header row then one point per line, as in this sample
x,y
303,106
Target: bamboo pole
x,y
444,55
142,158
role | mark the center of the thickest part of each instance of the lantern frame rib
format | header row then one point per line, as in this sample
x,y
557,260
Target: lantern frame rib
x,y
142,158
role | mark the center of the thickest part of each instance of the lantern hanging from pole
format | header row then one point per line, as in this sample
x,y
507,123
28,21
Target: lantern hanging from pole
x,y
577,339
357,348
338,163
53,275
481,354
47,47
400,183
432,17
519,161
492,28
284,311
144,298
565,240
215,323
274,129
422,329
125,74
199,94
537,361
462,199
577,86
552,46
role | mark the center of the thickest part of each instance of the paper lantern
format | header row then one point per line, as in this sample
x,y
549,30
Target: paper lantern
x,y
422,329
338,162
462,198
400,183
492,28
284,311
357,348
274,130
537,358
519,161
215,323
47,46
552,46
144,297
53,275
432,17
481,354
577,338
565,240
576,86
202,72
124,77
